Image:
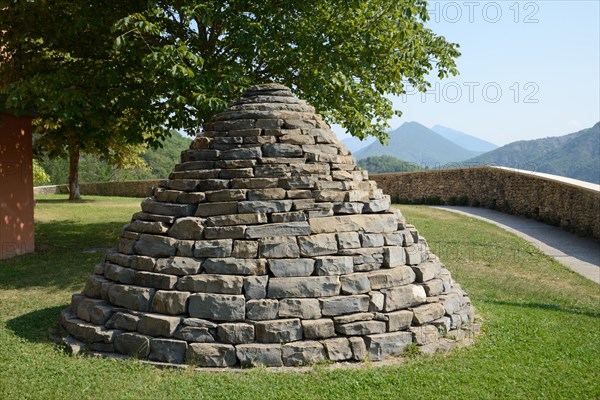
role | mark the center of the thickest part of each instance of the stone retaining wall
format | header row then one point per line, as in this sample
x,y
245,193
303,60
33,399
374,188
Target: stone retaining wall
x,y
553,200
123,189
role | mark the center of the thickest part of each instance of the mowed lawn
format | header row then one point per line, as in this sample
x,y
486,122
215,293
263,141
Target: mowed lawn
x,y
540,337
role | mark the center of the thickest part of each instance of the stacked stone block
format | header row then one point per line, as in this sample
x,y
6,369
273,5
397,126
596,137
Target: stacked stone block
x,y
267,245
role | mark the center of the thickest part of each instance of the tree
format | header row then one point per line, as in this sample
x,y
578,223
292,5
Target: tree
x,y
87,94
40,176
158,163
343,56
177,63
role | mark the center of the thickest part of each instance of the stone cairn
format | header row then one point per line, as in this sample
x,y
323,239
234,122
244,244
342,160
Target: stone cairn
x,y
267,246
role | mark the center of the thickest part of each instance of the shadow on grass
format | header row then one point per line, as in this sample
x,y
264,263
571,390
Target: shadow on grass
x,y
543,306
65,254
75,236
63,201
36,326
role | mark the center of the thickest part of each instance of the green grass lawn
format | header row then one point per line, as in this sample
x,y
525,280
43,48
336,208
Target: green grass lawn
x,y
541,323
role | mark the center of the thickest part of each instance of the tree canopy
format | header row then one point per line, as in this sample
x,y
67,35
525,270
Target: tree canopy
x,y
105,77
157,163
60,61
342,56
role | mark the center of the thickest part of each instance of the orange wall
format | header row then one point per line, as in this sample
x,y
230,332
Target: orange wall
x,y
16,186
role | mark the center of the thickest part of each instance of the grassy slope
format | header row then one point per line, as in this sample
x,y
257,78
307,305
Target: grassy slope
x,y
541,324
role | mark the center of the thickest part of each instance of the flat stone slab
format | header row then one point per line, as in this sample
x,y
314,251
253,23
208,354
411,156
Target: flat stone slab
x,y
168,350
278,229
179,266
312,286
361,328
427,313
194,334
211,355
235,333
133,344
131,297
218,307
300,308
338,349
155,246
340,305
262,309
278,331
170,302
158,325
254,355
381,223
233,266
383,345
213,248
334,265
383,279
303,353
403,297
211,283
318,328
292,267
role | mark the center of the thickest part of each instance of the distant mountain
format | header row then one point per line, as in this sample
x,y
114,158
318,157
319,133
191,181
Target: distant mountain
x,y
576,155
462,139
354,144
416,143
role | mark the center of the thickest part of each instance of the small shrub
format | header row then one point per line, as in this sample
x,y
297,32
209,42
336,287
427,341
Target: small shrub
x,y
462,201
411,351
432,201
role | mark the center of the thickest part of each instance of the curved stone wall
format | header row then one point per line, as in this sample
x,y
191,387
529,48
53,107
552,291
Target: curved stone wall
x,y
571,204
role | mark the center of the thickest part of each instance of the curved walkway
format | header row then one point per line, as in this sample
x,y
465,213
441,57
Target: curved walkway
x,y
581,254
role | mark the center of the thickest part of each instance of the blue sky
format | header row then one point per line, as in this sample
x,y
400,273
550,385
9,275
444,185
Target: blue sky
x,y
528,69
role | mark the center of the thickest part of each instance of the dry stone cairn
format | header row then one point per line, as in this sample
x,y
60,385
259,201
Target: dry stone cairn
x,y
268,246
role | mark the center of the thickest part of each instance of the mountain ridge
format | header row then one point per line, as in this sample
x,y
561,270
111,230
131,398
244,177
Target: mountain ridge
x,y
354,144
464,140
413,142
574,155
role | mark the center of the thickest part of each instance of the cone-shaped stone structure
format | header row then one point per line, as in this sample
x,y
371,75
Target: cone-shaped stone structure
x,y
267,245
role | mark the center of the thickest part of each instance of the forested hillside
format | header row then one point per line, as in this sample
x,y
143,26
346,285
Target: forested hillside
x,y
158,163
383,164
576,155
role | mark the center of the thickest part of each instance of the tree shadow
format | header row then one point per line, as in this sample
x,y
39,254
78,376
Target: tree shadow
x,y
36,326
65,255
63,201
544,306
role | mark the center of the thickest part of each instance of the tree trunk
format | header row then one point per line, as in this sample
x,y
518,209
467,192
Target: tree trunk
x,y
74,173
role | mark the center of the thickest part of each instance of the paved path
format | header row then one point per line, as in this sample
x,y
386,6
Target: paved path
x,y
582,255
